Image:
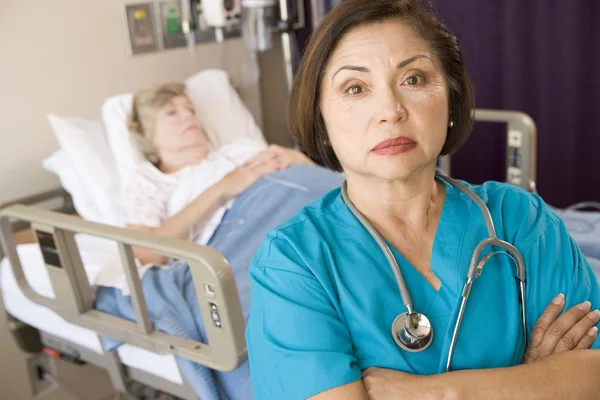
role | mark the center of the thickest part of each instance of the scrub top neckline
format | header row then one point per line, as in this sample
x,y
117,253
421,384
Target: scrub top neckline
x,y
425,298
453,219
401,258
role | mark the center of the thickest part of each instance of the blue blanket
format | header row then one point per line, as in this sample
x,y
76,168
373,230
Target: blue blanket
x,y
171,296
584,227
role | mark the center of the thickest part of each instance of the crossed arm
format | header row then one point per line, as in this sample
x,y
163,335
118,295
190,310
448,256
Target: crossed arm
x,y
549,369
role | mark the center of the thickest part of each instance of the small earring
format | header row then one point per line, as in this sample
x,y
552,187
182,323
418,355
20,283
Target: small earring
x,y
325,143
451,124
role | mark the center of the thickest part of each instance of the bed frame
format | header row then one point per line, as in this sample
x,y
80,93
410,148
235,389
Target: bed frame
x,y
521,148
213,279
54,233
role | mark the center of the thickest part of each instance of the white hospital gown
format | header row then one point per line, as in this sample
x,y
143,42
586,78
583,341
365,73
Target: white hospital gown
x,y
150,196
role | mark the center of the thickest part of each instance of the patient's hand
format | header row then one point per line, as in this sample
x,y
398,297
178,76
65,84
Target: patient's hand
x,y
574,329
288,157
244,176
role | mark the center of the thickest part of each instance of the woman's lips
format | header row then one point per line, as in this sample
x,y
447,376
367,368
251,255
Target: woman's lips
x,y
394,146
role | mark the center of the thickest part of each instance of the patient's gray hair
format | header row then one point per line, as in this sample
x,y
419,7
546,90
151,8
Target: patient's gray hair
x,y
143,112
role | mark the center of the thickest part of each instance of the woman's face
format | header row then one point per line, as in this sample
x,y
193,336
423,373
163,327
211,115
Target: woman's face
x,y
176,127
384,101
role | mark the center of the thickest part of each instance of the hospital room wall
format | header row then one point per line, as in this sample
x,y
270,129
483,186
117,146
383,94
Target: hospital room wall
x,y
66,56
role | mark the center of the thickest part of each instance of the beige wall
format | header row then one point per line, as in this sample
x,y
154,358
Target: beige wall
x,y
67,56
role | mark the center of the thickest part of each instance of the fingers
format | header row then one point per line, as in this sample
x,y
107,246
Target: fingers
x,y
291,156
546,319
369,371
266,167
277,149
274,152
559,328
574,329
588,340
260,158
284,155
581,335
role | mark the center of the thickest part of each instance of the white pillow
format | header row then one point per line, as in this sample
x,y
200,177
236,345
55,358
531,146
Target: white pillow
x,y
122,145
224,116
60,165
220,108
84,142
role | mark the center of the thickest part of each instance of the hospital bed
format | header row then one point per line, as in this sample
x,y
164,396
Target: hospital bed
x,y
49,302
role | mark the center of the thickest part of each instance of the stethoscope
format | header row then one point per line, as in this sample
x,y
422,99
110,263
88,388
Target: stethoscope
x,y
412,331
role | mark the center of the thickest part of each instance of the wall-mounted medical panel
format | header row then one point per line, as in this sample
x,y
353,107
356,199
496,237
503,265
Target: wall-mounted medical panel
x,y
169,19
140,28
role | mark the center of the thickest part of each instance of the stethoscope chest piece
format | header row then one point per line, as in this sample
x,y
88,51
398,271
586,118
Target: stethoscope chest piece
x,y
412,332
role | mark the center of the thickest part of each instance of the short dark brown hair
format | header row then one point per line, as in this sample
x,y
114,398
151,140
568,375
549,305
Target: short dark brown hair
x,y
304,118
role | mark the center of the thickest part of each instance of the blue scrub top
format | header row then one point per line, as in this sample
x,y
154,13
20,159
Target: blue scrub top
x,y
324,296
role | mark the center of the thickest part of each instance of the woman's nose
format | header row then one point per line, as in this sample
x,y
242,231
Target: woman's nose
x,y
388,107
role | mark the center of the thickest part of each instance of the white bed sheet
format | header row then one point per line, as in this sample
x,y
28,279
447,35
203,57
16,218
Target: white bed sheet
x,y
48,321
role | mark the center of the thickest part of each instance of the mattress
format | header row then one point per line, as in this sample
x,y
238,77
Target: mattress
x,y
94,255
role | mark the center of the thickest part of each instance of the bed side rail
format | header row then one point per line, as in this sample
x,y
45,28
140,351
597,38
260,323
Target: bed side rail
x,y
212,275
58,200
521,149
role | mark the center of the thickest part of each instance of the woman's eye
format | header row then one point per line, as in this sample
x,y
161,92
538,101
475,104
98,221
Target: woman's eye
x,y
354,90
414,80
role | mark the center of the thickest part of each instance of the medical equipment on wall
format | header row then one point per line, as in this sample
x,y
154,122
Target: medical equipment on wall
x,y
257,19
411,330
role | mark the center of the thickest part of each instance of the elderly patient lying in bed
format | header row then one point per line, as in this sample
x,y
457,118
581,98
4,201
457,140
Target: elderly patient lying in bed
x,y
186,186
228,198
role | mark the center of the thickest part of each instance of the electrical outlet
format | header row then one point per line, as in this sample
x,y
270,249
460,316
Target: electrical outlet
x,y
38,365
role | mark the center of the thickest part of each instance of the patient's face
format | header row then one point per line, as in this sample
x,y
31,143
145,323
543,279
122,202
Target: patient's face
x,y
384,82
176,127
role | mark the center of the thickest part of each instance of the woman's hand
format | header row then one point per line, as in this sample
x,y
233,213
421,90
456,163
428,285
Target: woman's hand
x,y
288,157
244,176
573,330
381,383
384,384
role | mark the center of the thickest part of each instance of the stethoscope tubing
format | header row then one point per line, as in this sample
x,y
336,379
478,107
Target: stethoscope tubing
x,y
475,268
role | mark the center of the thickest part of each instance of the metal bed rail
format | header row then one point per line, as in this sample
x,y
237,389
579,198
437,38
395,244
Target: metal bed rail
x,y
521,149
213,279
65,206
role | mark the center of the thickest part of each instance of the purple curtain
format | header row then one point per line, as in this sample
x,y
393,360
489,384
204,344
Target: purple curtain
x,y
541,57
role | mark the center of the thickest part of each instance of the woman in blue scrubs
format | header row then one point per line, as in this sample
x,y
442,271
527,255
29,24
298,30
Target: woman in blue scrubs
x,y
381,93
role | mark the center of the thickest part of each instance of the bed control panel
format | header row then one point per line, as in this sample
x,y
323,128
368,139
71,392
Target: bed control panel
x,y
48,247
214,314
515,157
57,348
